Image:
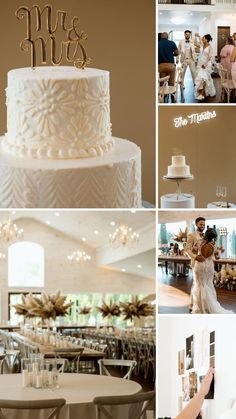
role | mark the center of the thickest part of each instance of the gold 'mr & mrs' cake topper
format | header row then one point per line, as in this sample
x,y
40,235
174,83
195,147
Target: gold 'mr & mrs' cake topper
x,y
72,48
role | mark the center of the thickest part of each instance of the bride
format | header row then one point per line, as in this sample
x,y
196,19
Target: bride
x,y
203,291
203,81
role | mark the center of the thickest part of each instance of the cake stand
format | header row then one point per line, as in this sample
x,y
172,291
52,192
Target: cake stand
x,y
178,199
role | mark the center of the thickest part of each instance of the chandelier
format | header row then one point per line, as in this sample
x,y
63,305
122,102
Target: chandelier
x,y
124,236
10,232
79,257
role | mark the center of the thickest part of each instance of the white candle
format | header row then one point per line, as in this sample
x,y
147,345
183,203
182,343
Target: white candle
x,y
25,378
45,377
38,381
30,377
50,378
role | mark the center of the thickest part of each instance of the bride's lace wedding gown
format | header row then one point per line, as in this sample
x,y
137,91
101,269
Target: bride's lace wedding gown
x,y
203,291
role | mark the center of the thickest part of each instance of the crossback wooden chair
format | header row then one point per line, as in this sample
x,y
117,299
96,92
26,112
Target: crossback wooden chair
x,y
103,405
54,404
172,91
227,85
6,339
2,358
104,363
72,354
11,362
162,88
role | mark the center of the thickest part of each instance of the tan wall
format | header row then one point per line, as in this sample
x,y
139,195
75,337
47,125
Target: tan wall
x,y
210,150
70,278
121,40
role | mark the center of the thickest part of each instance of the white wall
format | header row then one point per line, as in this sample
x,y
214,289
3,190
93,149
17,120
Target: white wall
x,y
181,28
207,25
172,334
70,278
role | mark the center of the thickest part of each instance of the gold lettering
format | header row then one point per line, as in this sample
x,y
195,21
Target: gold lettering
x,y
73,45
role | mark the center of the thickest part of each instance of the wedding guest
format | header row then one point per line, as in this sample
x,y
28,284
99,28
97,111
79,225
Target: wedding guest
x,y
234,38
225,55
170,249
187,55
233,68
203,81
176,250
167,50
192,410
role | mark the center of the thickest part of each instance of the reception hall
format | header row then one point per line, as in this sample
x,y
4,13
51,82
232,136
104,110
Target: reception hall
x,y
77,314
178,275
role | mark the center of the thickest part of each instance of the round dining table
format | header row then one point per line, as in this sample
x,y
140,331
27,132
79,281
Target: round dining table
x,y
78,390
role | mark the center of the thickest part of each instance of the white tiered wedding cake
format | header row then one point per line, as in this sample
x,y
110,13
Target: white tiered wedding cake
x,y
58,150
178,168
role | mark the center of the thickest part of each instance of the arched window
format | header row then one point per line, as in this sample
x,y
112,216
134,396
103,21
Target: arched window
x,y
25,265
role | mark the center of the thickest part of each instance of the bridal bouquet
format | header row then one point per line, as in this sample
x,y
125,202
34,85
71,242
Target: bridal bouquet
x,y
109,310
136,308
225,278
46,306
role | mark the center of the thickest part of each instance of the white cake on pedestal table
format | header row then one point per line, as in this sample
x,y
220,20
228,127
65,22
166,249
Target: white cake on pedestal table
x,y
58,150
178,167
176,172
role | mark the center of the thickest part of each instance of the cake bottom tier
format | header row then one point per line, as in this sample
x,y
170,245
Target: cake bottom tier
x,y
110,181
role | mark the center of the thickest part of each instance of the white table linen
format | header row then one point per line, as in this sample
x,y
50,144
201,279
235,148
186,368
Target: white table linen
x,y
212,205
78,390
177,201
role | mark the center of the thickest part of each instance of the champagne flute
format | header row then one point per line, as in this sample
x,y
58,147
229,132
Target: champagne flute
x,y
218,191
224,191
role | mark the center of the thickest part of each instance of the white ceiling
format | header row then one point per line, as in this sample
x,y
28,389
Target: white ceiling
x,y
185,17
82,224
189,18
176,216
147,260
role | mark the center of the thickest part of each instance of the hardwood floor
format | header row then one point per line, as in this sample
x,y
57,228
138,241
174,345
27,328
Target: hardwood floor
x,y
189,92
174,292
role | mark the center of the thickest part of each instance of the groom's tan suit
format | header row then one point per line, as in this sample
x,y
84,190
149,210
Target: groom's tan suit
x,y
192,240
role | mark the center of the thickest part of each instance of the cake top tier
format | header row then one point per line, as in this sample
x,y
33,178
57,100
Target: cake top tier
x,y
178,161
58,112
54,73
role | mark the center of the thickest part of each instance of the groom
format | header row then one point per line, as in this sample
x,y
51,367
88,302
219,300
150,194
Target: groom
x,y
192,240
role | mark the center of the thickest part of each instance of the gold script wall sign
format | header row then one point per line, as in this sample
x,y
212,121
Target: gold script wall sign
x,y
72,48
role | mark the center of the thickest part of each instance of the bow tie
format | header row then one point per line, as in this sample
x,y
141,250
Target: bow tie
x,y
201,234
187,41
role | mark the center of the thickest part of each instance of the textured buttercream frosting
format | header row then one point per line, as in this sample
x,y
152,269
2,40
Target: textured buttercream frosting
x,y
109,181
58,113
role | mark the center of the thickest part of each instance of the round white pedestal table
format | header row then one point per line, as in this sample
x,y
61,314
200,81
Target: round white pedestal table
x,y
177,201
78,390
213,205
